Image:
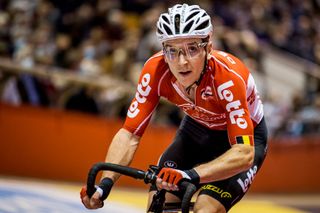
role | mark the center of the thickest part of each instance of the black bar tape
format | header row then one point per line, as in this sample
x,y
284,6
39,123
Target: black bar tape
x,y
195,178
106,185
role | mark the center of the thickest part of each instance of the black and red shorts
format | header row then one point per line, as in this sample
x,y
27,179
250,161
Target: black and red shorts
x,y
195,144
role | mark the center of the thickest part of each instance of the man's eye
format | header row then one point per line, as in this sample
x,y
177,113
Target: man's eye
x,y
172,50
192,49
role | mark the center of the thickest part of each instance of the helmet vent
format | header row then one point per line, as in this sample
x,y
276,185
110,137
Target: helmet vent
x,y
188,27
165,19
167,29
191,15
177,23
203,25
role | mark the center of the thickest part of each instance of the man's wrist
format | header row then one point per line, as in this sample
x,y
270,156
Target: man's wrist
x,y
192,173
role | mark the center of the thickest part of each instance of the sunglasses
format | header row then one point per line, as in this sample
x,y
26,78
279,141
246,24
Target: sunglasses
x,y
190,50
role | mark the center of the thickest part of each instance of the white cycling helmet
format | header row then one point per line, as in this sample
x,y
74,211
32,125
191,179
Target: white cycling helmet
x,y
183,21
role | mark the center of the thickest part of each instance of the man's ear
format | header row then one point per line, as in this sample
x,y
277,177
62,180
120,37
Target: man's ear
x,y
165,57
209,49
210,43
209,46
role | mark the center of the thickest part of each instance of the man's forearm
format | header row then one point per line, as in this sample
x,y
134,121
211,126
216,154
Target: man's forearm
x,y
235,160
121,151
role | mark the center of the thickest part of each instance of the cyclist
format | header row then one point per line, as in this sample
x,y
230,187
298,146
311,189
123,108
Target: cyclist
x,y
221,142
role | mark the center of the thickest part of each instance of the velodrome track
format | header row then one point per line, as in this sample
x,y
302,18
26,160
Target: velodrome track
x,y
20,195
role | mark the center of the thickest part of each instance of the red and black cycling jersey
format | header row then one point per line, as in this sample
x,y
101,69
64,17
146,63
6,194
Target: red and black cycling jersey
x,y
225,99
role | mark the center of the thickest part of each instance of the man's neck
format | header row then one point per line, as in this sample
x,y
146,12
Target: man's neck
x,y
191,92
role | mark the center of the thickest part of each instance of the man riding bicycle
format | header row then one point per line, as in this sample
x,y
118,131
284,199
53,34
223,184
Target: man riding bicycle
x,y
221,142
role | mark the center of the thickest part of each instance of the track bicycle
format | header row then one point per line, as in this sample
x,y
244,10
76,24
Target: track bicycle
x,y
158,204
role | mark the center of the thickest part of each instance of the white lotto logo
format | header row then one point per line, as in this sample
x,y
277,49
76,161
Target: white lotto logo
x,y
248,180
233,107
143,91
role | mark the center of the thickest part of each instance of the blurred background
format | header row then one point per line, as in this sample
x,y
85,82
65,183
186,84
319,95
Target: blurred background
x,y
68,71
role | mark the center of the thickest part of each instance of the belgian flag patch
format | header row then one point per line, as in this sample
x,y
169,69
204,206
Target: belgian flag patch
x,y
245,139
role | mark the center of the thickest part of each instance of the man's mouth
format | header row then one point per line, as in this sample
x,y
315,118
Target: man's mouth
x,y
185,73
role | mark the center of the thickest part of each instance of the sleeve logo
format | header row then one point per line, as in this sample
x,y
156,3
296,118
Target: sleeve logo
x,y
233,107
143,90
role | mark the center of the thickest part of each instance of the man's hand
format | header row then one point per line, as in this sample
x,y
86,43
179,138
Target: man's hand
x,y
90,203
102,192
168,178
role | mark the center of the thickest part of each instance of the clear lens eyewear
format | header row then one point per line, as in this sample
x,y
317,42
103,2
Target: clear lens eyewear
x,y
190,50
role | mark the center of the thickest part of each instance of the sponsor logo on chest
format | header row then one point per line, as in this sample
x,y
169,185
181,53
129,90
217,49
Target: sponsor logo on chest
x,y
206,93
200,113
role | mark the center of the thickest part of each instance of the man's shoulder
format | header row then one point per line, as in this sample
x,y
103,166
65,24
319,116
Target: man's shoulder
x,y
226,58
228,66
156,59
156,65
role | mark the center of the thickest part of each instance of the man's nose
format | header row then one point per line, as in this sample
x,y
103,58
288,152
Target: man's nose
x,y
182,58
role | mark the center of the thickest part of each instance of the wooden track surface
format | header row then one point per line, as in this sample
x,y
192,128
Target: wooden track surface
x,y
37,196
